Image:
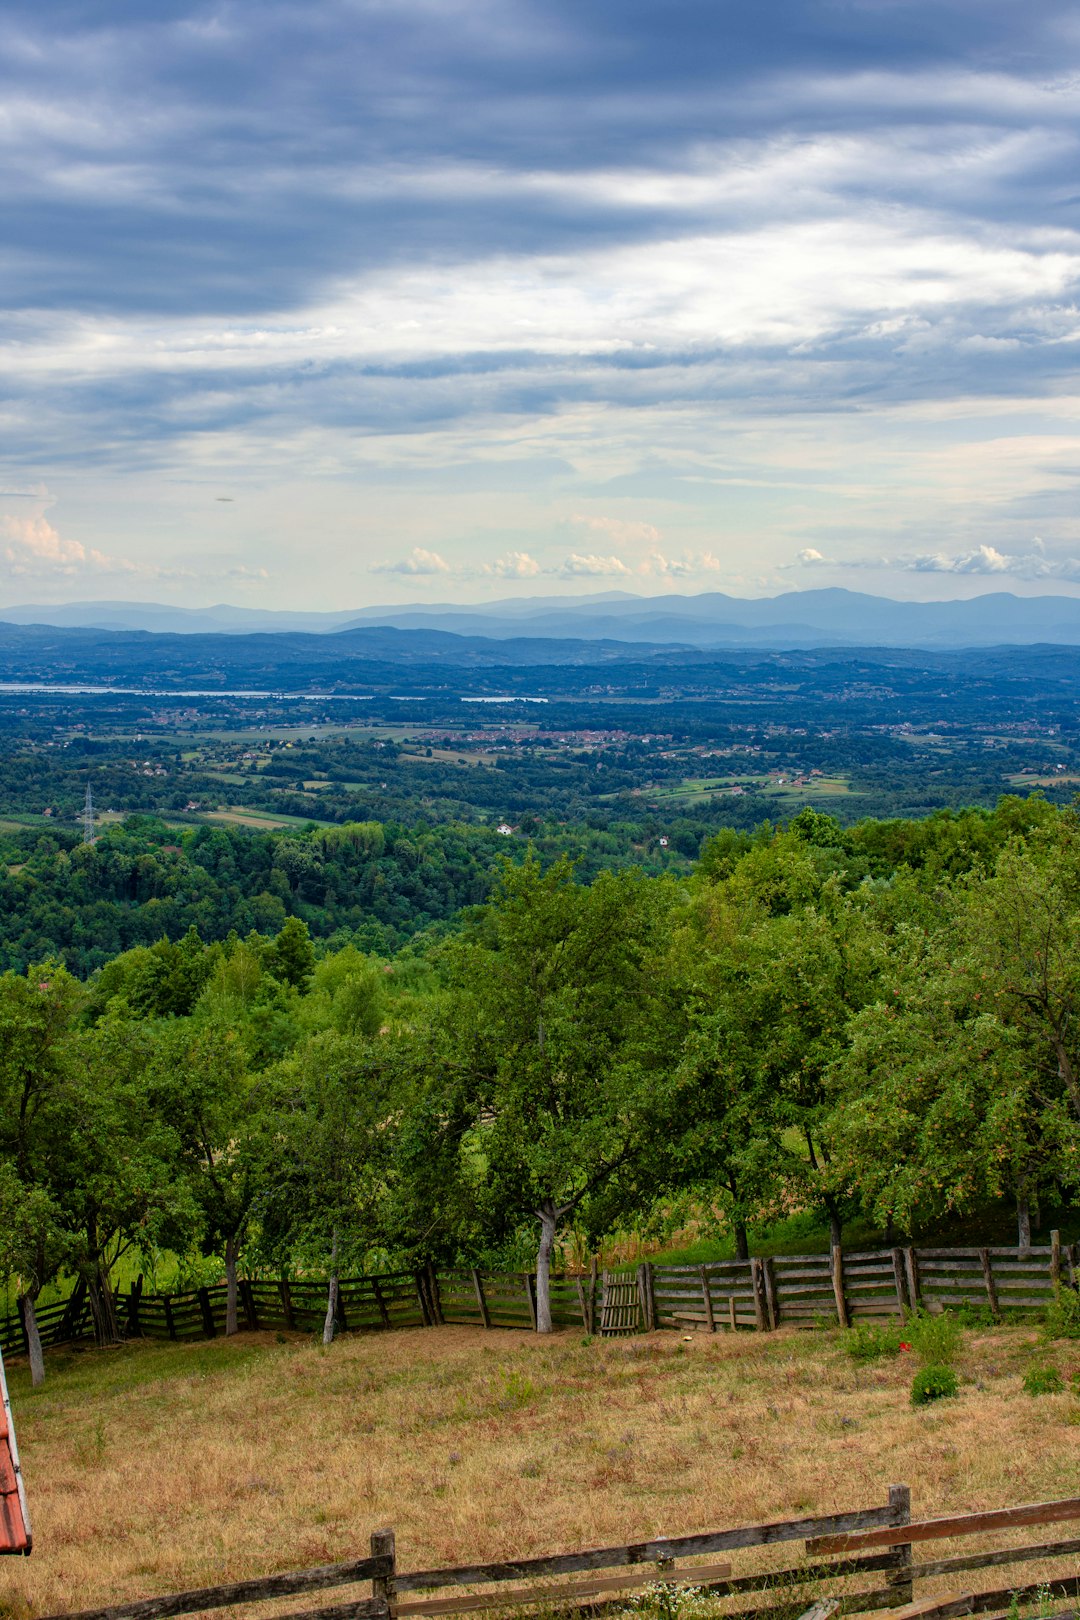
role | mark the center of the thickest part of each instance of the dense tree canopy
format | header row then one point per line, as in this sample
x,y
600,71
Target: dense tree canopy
x,y
881,1021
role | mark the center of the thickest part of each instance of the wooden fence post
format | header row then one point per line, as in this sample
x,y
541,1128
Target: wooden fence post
x,y
1055,1260
911,1266
207,1313
134,1298
842,1314
383,1587
592,1292
384,1314
759,1295
899,1579
247,1294
285,1295
898,1282
733,1322
421,1296
485,1314
991,1285
170,1325
434,1295
530,1295
645,1295
706,1294
772,1298
583,1304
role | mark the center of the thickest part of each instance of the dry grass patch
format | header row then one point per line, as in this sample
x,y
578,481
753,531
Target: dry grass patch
x,y
157,1467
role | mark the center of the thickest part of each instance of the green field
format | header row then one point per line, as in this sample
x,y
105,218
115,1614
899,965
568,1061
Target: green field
x,y
694,789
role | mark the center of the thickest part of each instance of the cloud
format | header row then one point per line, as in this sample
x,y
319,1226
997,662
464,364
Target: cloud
x,y
984,559
245,575
618,531
988,560
32,546
577,566
513,565
681,567
419,561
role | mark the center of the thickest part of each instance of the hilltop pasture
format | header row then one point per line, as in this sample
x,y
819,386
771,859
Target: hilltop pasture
x,y
155,1467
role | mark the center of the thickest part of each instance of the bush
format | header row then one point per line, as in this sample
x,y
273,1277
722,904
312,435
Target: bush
x,y
933,1384
1062,1319
1043,1381
935,1339
868,1341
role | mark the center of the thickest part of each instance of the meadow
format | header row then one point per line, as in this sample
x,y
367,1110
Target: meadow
x,y
154,1467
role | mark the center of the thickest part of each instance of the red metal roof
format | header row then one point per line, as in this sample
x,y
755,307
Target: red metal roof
x,y
15,1534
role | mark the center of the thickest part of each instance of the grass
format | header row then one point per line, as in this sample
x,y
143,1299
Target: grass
x,y
156,1466
692,788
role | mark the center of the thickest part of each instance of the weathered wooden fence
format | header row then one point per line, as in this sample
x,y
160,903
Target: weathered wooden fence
x,y
761,1294
838,1549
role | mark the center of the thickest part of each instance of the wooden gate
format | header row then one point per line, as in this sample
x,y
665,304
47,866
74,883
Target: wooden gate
x,y
620,1312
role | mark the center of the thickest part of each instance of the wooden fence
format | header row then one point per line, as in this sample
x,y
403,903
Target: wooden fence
x,y
761,1294
838,1549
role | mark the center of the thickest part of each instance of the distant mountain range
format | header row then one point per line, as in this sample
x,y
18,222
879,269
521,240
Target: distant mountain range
x,y
820,618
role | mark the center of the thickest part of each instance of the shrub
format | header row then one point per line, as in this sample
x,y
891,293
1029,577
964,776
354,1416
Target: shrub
x,y
933,1384
1043,1381
935,1339
868,1341
1062,1318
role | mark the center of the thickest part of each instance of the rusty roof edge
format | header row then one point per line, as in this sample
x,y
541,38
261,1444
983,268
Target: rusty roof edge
x,y
13,1447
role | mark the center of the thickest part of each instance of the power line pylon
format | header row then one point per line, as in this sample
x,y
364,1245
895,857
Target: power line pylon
x,y
89,835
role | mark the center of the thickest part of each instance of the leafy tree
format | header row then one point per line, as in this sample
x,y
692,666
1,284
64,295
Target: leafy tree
x,y
38,1015
555,1029
336,1099
200,1087
34,1245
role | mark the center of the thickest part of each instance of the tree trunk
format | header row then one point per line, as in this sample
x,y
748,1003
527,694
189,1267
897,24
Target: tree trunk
x,y
232,1254
33,1339
103,1307
548,1217
1023,1221
331,1296
742,1243
836,1227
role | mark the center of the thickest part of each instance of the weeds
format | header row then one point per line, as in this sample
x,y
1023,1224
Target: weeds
x,y
867,1341
1062,1317
936,1340
1043,1381
933,1383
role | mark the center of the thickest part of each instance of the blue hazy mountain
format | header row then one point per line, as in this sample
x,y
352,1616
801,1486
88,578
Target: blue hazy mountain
x,y
830,617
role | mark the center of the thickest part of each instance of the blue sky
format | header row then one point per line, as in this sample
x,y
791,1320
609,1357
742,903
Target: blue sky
x,y
376,300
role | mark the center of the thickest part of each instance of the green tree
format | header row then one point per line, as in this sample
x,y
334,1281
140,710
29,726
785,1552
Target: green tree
x,y
335,1103
555,1028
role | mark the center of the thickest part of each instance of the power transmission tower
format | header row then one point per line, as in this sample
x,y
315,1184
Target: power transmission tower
x,y
89,835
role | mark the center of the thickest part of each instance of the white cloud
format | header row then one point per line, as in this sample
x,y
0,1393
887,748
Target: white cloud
x,y
1034,564
985,560
513,565
245,575
33,546
576,566
618,531
419,561
682,567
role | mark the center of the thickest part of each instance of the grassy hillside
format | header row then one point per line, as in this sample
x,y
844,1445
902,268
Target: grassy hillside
x,y
155,1467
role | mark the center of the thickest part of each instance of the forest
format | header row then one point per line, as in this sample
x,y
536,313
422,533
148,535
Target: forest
x,y
873,1023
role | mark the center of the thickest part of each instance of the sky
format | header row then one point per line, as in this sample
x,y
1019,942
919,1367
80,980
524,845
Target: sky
x,y
376,301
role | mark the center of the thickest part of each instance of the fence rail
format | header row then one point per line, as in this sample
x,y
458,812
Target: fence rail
x,y
888,1527
725,1295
